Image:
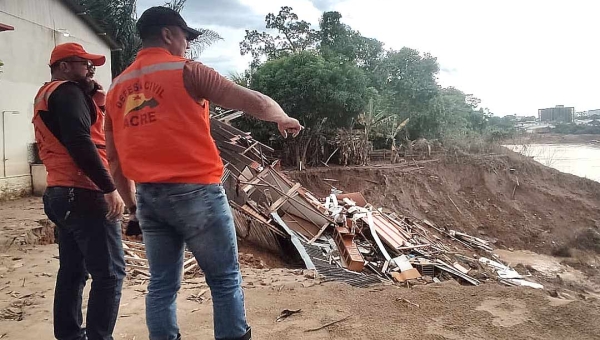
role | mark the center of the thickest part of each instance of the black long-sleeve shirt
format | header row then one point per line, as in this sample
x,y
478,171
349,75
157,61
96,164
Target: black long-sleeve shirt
x,y
71,113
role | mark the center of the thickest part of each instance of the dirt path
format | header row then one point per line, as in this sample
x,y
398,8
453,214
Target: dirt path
x,y
445,311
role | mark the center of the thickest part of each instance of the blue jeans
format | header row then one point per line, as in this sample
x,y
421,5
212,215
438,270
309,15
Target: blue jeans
x,y
174,215
87,243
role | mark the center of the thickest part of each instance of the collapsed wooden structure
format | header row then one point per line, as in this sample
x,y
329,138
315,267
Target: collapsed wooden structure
x,y
342,237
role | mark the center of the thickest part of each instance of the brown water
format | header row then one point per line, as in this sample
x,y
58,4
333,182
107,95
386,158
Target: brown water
x,y
577,159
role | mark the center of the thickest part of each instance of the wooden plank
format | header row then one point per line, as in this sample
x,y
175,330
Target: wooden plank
x,y
414,247
135,266
140,271
406,275
251,147
231,146
130,251
188,262
248,211
135,251
302,226
129,258
190,268
281,200
357,197
323,228
296,242
135,244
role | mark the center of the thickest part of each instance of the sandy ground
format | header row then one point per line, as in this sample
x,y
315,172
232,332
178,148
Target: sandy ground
x,y
444,311
437,311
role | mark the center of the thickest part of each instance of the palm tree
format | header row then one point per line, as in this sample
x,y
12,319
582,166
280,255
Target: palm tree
x,y
207,38
118,18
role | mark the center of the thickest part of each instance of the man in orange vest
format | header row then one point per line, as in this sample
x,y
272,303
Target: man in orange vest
x,y
158,112
81,198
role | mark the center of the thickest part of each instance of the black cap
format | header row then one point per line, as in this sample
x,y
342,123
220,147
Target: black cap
x,y
160,16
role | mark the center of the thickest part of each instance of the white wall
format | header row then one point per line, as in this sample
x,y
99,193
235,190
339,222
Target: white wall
x,y
26,53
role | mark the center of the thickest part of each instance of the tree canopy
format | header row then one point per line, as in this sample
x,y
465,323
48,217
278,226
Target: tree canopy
x,y
335,78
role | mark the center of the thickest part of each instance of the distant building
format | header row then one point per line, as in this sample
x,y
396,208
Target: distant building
x,y
560,113
587,114
526,119
595,112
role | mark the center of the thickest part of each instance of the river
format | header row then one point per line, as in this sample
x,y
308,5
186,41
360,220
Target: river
x,y
578,159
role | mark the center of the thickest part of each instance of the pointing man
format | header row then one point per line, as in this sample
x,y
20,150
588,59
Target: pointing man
x,y
158,112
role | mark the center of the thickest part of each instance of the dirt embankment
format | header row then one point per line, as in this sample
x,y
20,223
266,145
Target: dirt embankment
x,y
505,197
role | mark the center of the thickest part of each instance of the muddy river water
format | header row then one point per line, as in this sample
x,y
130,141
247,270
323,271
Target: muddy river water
x,y
578,159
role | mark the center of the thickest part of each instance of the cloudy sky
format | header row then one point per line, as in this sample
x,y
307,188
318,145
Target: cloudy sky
x,y
515,55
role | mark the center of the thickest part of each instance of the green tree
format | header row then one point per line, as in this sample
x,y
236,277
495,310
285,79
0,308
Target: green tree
x,y
118,18
407,82
206,38
338,40
320,93
293,36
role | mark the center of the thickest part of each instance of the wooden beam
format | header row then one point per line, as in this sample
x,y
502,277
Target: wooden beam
x,y
281,200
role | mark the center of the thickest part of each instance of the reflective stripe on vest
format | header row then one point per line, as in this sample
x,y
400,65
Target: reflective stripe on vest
x,y
161,133
45,92
168,66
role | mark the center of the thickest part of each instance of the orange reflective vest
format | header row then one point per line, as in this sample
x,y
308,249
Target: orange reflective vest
x,y
62,170
162,135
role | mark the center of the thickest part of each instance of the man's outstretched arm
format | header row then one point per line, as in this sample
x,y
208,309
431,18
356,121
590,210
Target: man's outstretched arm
x,y
202,82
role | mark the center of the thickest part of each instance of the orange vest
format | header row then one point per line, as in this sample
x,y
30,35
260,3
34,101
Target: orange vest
x,y
62,170
162,135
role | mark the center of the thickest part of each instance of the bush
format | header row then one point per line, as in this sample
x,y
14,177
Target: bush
x,y
562,251
588,239
574,129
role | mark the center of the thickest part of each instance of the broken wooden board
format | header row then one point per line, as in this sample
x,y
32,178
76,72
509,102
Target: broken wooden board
x,y
387,231
455,272
254,228
460,268
295,241
288,195
297,205
301,226
406,275
356,197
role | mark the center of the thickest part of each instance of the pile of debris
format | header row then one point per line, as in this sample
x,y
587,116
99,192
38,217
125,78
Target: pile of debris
x,y
137,263
342,237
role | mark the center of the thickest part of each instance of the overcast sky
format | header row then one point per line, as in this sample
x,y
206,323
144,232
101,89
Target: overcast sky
x,y
515,55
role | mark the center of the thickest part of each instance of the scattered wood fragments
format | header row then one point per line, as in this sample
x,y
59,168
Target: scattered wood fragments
x,y
200,298
287,313
408,301
136,262
327,325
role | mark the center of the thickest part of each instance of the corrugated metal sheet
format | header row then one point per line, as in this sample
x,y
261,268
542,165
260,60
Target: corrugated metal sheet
x,y
331,272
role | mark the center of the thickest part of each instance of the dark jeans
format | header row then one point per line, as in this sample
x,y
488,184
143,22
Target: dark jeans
x,y
87,243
